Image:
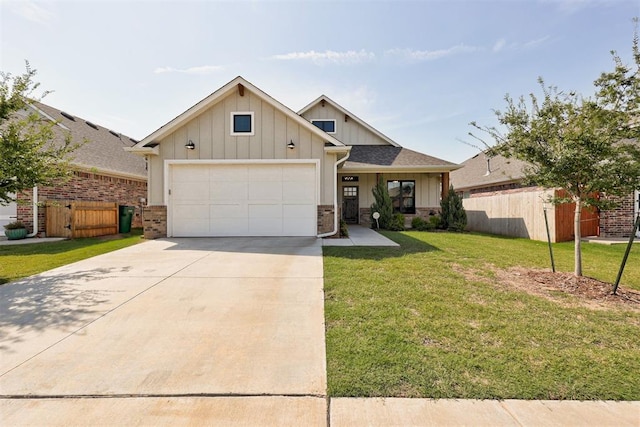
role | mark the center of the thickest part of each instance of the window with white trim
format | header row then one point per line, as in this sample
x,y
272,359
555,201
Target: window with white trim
x,y
329,126
242,123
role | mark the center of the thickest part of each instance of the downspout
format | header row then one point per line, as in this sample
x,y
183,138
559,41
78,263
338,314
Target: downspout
x,y
35,212
335,197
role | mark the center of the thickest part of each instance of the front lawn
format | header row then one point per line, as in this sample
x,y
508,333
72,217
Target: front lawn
x,y
432,319
18,261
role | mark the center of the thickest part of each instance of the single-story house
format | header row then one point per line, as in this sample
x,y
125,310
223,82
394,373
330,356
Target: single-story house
x,y
102,171
240,163
497,202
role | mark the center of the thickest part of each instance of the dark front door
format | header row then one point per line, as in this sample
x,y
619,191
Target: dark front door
x,y
350,207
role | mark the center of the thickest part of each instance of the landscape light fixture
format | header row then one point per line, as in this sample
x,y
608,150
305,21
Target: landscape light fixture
x,y
291,145
190,145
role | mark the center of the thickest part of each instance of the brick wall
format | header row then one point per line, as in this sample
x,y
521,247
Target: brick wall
x,y
618,222
84,186
325,219
154,220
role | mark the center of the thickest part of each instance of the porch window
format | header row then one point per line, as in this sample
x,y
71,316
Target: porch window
x,y
329,126
403,196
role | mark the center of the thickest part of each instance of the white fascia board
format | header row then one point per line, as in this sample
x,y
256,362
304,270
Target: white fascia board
x,y
343,149
154,151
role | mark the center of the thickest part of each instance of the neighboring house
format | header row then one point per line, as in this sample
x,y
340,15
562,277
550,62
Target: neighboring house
x,y
240,163
102,170
497,202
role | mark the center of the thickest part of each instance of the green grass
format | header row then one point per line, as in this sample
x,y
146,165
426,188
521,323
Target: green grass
x,y
403,322
18,261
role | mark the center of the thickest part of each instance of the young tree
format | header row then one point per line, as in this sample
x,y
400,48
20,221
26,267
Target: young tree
x,y
382,204
453,216
30,157
587,146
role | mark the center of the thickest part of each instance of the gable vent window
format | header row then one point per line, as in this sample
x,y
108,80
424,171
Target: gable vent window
x,y
242,123
329,126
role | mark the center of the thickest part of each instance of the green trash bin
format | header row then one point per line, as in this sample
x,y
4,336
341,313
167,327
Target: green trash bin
x,y
126,217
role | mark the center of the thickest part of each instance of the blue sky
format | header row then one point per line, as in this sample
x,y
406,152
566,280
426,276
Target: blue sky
x,y
418,71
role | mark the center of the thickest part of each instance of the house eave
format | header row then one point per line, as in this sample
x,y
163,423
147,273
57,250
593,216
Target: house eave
x,y
109,172
400,169
142,151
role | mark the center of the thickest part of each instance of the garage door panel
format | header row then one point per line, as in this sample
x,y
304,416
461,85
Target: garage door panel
x,y
189,191
299,192
228,173
270,173
265,191
306,173
190,173
224,210
265,226
191,227
229,227
235,191
244,199
191,211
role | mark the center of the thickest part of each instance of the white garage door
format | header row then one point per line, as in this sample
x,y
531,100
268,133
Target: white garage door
x,y
243,199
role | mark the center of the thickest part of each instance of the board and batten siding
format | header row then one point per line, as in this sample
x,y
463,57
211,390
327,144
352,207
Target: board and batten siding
x,y
350,132
211,133
427,187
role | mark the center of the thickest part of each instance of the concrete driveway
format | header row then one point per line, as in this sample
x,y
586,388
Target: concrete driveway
x,y
170,331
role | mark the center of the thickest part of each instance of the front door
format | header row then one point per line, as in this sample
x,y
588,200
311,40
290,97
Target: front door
x,y
350,205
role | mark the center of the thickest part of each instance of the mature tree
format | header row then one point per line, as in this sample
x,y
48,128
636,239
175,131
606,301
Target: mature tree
x,y
588,146
30,155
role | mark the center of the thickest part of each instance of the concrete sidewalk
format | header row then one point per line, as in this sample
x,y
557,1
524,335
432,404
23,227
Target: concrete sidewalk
x,y
361,236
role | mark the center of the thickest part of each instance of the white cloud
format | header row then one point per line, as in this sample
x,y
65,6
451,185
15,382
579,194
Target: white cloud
x,y
535,43
32,12
329,57
499,45
430,55
203,69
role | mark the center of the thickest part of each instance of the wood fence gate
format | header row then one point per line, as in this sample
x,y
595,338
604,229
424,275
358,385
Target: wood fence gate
x,y
71,219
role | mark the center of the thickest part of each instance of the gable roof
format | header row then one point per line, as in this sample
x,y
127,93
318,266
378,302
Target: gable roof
x,y
147,144
378,158
352,116
103,149
476,174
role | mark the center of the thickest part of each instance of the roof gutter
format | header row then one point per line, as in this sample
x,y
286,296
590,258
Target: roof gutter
x,y
335,193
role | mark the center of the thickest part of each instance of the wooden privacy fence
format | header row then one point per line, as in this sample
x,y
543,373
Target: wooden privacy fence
x,y
71,219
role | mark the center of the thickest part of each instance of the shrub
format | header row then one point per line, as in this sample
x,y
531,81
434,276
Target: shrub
x,y
344,230
435,221
420,224
15,225
397,223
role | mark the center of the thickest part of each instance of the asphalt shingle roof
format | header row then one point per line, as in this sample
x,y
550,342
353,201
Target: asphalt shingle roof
x,y
104,149
388,155
474,174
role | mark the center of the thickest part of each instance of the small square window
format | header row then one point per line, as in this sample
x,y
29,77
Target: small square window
x,y
329,126
242,123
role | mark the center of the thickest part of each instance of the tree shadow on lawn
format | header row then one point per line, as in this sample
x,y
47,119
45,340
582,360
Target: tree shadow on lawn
x,y
408,245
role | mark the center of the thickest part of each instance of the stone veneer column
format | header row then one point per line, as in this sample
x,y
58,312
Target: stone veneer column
x,y
154,219
325,219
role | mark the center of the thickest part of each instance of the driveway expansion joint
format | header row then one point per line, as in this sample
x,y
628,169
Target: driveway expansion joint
x,y
155,395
